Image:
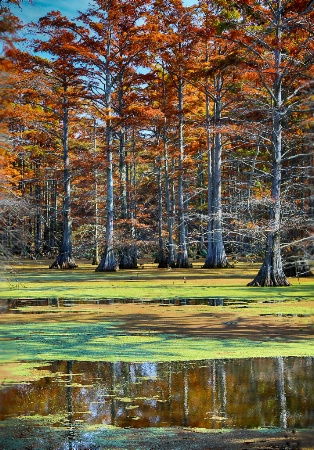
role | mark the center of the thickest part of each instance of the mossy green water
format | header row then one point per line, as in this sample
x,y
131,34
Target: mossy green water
x,y
103,341
37,281
88,335
76,290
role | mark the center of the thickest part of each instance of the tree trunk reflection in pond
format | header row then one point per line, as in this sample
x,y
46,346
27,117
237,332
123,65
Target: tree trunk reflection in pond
x,y
249,393
282,393
69,396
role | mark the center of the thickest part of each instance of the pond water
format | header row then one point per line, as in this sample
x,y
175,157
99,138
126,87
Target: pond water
x,y
212,394
21,305
93,405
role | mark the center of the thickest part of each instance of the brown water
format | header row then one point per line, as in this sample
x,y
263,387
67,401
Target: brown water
x,y
212,394
21,305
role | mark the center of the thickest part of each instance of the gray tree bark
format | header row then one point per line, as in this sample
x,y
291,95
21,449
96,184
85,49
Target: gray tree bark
x,y
38,222
169,187
96,260
216,255
108,261
128,253
64,259
162,257
271,273
182,257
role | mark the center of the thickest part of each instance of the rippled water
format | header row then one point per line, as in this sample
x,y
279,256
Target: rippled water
x,y
213,394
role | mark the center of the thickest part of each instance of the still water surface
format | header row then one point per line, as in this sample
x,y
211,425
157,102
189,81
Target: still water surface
x,y
212,394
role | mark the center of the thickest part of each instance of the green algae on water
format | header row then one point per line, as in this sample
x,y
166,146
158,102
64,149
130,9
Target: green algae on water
x,y
32,343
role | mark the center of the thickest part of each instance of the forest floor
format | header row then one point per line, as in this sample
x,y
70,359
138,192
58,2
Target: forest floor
x,y
155,315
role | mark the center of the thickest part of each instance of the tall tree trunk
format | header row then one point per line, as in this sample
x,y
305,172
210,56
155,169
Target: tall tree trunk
x,y
161,258
108,262
39,222
202,202
95,261
169,191
209,179
122,172
132,204
127,258
271,273
216,255
182,257
250,181
64,259
128,252
169,194
51,204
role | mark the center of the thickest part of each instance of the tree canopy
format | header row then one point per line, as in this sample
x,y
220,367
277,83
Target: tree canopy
x,y
151,127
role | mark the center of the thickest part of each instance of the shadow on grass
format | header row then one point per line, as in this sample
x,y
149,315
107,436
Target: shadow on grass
x,y
203,326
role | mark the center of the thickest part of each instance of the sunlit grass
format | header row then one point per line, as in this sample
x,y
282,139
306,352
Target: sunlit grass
x,y
33,279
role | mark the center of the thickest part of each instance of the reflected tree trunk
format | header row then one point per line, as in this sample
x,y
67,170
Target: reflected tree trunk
x,y
113,388
185,396
223,388
69,396
170,392
214,392
281,392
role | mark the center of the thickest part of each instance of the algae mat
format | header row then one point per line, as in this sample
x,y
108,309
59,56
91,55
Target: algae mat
x,y
33,279
30,336
103,341
151,332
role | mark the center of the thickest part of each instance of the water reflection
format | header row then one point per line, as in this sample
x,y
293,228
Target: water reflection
x,y
21,305
213,394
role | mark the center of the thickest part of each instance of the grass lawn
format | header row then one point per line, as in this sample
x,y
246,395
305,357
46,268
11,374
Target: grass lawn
x,y
33,279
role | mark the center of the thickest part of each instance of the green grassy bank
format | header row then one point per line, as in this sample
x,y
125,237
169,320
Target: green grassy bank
x,y
33,279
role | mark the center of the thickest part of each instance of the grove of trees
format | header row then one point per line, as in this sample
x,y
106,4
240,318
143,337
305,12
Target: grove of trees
x,y
151,127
